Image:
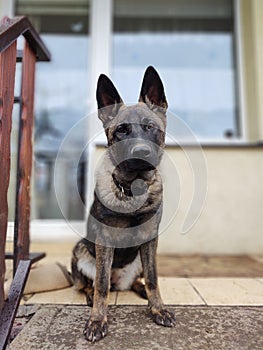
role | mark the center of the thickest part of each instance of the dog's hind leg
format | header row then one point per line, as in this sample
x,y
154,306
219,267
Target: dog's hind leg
x,y
139,288
82,283
89,291
83,271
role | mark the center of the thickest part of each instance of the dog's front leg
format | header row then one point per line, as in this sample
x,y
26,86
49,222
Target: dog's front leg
x,y
160,314
96,327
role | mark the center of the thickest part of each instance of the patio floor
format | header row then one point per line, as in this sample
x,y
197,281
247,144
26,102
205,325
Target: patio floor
x,y
217,301
131,328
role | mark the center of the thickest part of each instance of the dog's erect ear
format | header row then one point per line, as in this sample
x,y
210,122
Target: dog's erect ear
x,y
108,99
152,91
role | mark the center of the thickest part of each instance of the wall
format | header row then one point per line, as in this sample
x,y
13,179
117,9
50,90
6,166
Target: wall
x,y
231,221
258,27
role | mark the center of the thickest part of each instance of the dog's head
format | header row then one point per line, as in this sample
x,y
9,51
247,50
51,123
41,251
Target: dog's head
x,y
135,134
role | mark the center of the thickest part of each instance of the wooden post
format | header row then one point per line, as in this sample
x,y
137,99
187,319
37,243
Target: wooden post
x,y
7,81
10,307
25,157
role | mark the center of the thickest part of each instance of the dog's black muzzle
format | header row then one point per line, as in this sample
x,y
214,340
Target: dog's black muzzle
x,y
141,157
136,155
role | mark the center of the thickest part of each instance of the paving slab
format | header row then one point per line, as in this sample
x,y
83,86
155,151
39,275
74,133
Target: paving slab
x,y
179,291
64,296
128,297
59,327
230,291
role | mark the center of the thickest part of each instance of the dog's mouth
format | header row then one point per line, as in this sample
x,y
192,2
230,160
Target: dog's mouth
x,y
135,164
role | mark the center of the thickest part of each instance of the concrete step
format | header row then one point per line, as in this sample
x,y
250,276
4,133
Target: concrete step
x,y
57,327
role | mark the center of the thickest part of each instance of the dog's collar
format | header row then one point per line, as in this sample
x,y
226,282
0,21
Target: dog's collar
x,y
124,190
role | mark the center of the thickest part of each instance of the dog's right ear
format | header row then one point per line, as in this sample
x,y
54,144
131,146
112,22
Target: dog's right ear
x,y
108,99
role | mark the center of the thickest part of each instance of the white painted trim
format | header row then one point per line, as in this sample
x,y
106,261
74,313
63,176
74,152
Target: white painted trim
x,y
101,16
100,49
240,69
90,175
100,140
7,8
51,231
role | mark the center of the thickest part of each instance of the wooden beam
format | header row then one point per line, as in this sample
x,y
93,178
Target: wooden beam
x,y
9,310
11,29
7,81
25,157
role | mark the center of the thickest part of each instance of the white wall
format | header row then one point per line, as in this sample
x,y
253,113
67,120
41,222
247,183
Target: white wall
x,y
232,220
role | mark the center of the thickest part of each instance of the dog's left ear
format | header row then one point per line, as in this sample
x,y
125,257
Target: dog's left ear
x,y
108,99
152,91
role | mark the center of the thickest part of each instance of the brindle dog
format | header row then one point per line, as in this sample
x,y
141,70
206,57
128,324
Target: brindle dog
x,y
122,234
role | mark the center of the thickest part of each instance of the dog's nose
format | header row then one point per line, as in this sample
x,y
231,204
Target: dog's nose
x,y
141,151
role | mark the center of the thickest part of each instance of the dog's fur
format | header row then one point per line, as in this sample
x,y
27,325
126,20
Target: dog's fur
x,y
122,235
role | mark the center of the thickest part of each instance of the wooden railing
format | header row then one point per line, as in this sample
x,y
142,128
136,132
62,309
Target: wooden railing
x,y
34,50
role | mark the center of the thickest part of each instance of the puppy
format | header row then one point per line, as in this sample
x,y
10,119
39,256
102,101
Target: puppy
x,y
122,229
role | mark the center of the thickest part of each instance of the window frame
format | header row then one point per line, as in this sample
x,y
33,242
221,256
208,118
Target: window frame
x,y
238,56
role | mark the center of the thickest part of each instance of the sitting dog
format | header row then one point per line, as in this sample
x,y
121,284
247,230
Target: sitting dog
x,y
122,228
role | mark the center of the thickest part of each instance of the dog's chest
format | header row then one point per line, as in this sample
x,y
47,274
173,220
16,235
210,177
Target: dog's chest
x,y
124,256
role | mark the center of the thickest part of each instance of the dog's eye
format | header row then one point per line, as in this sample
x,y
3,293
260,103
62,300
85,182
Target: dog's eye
x,y
123,129
148,126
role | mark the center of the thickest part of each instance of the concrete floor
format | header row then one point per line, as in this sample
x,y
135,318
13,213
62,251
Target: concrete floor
x,y
131,328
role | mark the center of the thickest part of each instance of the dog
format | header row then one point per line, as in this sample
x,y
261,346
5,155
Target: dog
x,y
122,229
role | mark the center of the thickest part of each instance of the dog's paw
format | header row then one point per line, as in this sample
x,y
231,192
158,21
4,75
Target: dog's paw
x,y
95,330
164,317
89,300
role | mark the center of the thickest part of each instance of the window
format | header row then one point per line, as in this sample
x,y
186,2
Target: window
x,y
61,100
191,44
